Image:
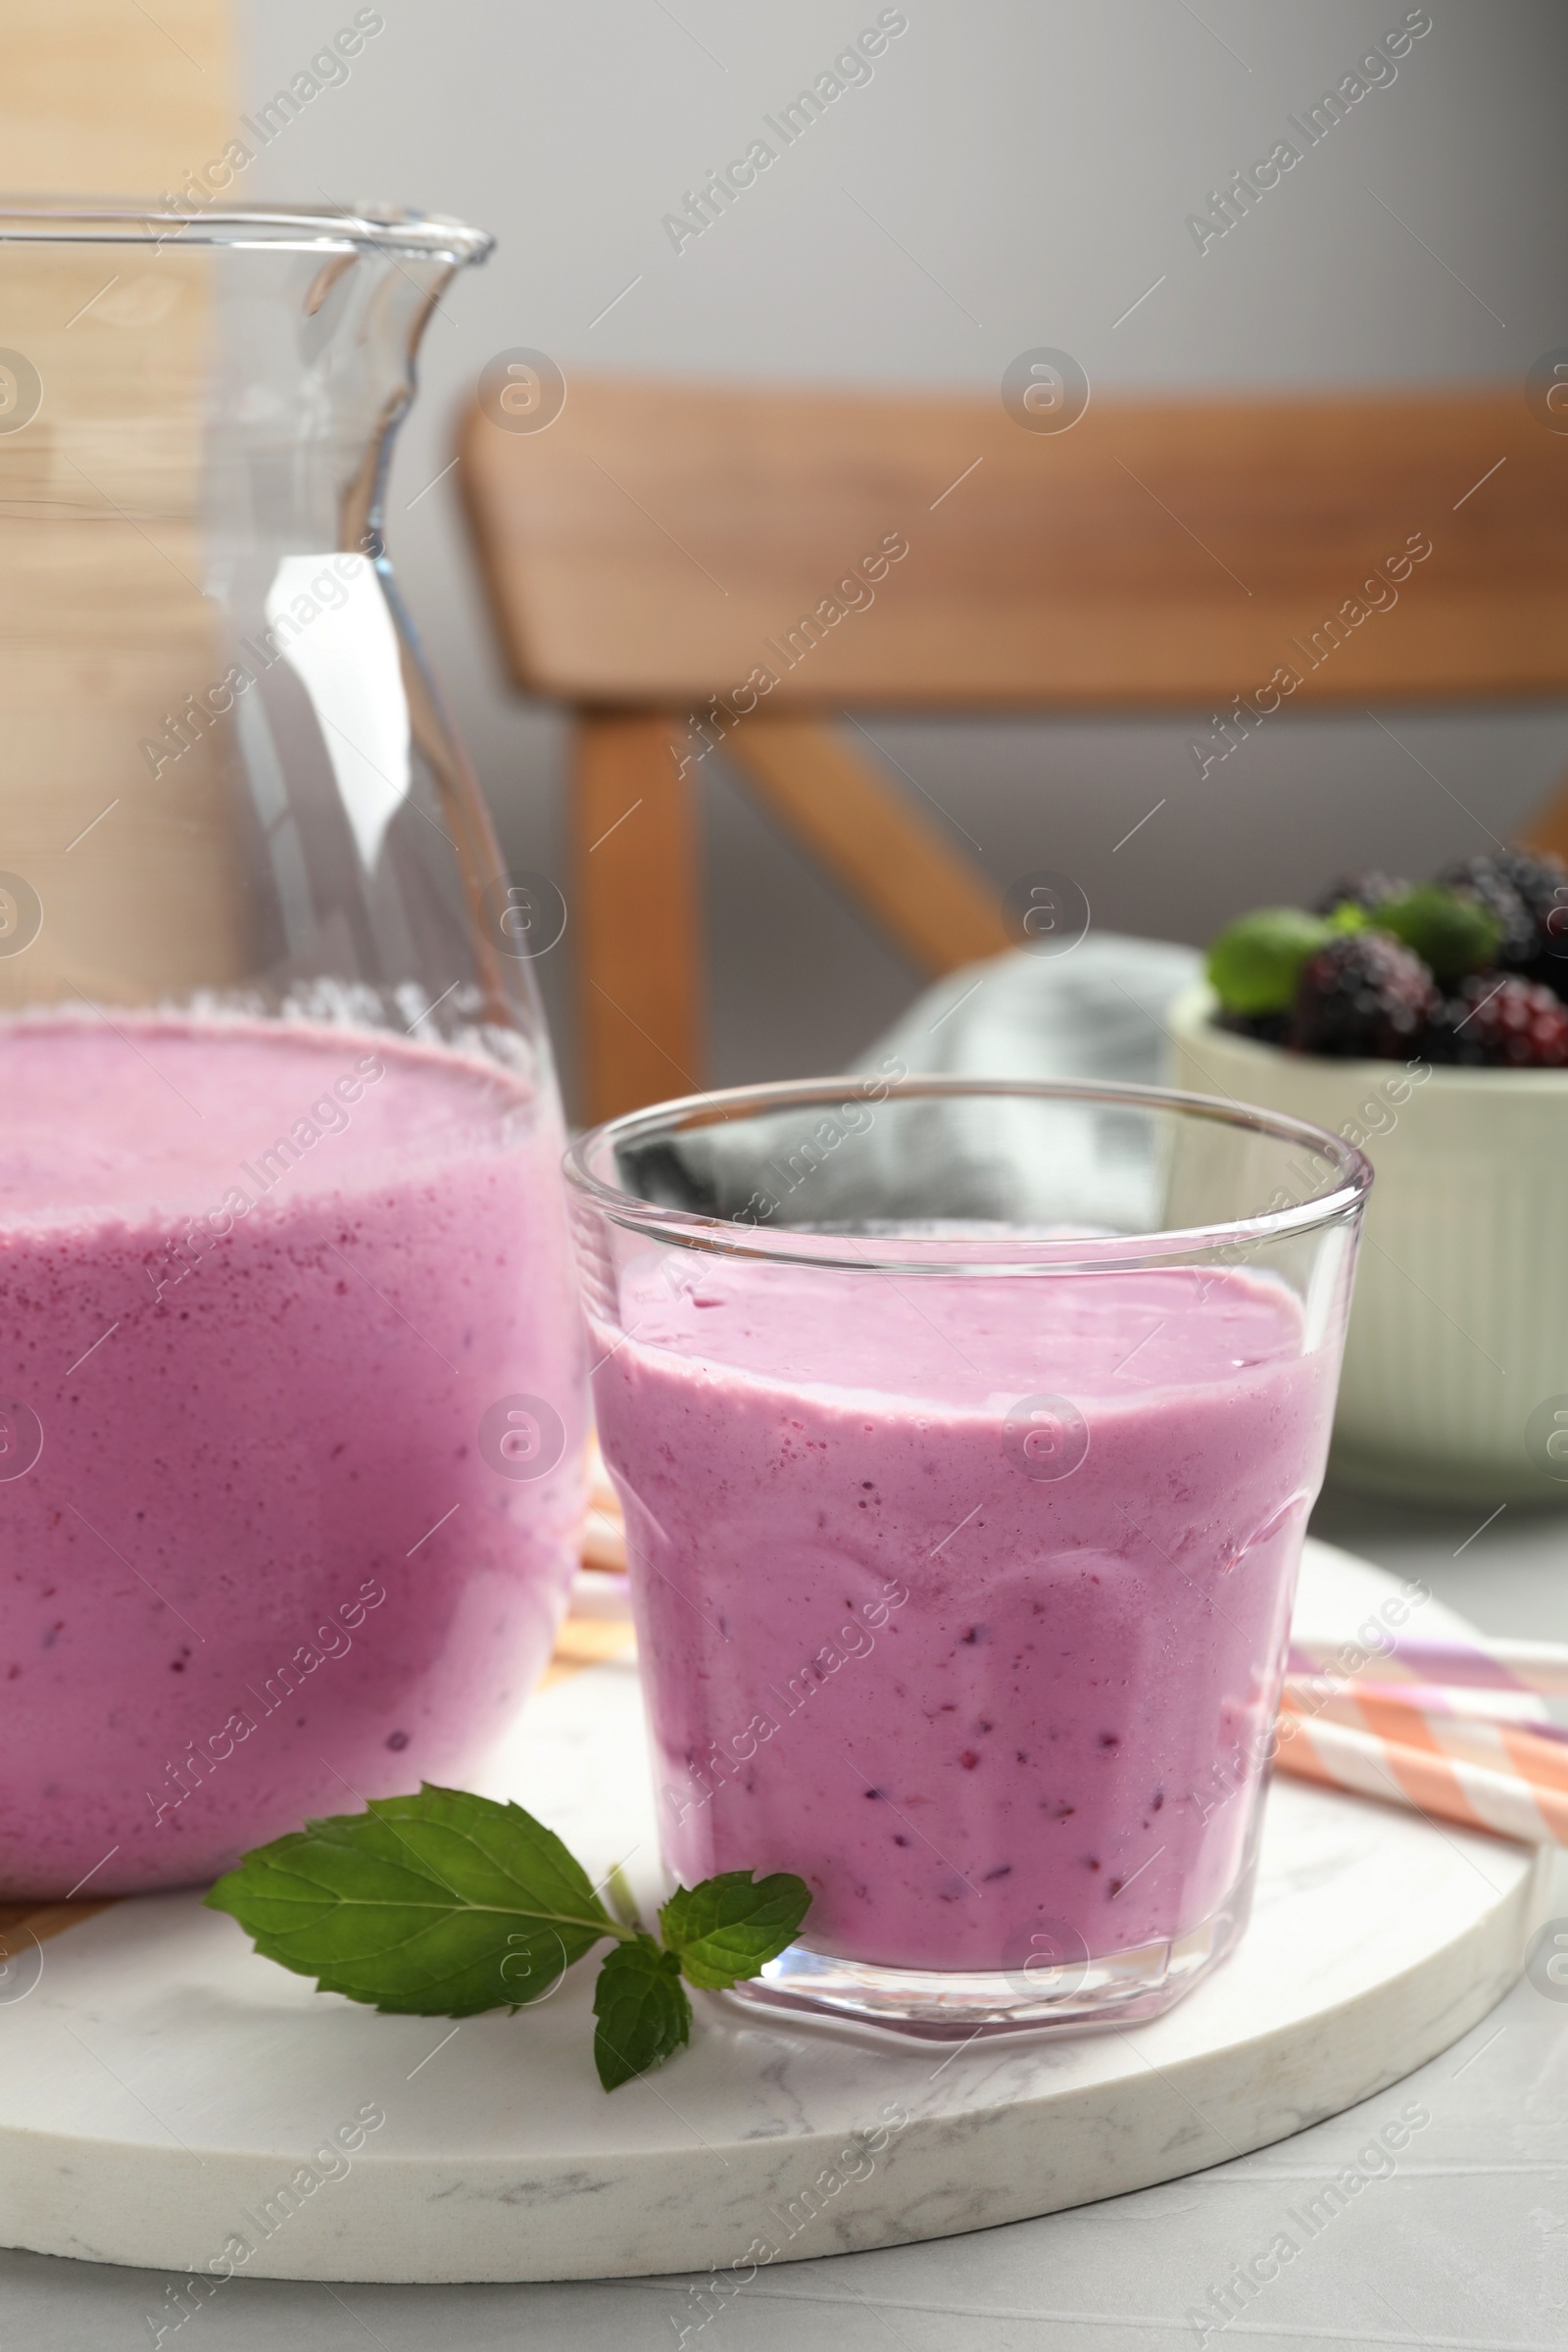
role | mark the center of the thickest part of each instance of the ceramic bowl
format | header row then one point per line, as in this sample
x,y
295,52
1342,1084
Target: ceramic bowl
x,y
1455,1379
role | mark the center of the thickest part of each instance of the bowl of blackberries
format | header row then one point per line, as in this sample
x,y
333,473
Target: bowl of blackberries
x,y
1426,1021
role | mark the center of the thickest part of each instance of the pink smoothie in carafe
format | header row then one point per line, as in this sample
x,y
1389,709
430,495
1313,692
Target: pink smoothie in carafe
x,y
291,1423
966,1598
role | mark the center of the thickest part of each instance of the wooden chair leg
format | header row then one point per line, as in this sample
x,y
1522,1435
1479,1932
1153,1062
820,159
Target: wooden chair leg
x,y
890,859
637,914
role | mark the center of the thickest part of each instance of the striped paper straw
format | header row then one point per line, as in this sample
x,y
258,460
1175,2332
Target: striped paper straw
x,y
1457,1698
1503,1743
1483,1776
1539,1666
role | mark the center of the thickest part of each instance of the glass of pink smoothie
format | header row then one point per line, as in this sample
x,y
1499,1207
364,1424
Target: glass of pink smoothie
x,y
292,1382
966,1435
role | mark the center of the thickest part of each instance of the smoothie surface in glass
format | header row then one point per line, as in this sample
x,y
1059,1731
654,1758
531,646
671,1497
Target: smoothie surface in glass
x,y
966,1598
260,1286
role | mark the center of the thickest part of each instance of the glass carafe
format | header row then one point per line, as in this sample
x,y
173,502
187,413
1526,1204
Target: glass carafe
x,y
291,1389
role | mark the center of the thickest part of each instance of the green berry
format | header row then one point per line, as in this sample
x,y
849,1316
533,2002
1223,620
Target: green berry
x,y
1452,933
1349,916
1255,963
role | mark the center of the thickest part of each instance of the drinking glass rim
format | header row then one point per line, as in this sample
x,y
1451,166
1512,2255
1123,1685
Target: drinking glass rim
x,y
304,229
802,1245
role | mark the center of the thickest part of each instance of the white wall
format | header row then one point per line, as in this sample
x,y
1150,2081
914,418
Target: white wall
x,y
1032,162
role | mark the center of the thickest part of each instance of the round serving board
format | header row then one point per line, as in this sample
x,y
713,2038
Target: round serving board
x,y
170,2100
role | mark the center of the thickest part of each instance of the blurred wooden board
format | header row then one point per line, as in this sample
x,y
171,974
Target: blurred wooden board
x,y
102,96
103,625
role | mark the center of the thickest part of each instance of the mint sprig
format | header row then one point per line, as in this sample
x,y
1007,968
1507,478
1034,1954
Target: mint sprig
x,y
642,2008
445,1904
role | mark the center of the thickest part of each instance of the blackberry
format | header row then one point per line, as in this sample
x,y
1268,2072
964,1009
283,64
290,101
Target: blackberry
x,y
1522,889
1500,1020
1542,881
1367,889
1362,996
1537,876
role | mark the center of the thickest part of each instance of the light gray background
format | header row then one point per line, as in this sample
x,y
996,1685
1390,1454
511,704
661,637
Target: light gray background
x,y
1036,159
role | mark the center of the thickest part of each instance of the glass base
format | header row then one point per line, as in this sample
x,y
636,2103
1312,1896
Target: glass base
x,y
950,2005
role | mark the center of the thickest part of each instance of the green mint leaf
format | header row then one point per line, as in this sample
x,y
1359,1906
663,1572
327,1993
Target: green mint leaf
x,y
642,2009
1447,929
727,1927
1255,963
435,1905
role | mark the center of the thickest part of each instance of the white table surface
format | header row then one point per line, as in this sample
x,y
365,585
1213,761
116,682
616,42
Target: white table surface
x,y
1464,2247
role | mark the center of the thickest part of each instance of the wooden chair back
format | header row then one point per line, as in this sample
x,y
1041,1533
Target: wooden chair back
x,y
699,569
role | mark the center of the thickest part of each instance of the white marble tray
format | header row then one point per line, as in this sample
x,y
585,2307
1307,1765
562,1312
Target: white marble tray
x,y
165,2095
